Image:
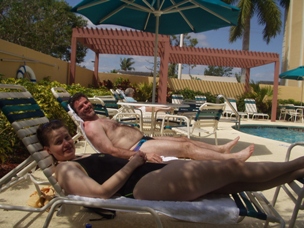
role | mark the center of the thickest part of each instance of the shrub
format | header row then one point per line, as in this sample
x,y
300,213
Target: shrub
x,y
41,91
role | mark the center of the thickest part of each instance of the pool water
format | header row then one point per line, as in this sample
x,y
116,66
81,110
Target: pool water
x,y
279,133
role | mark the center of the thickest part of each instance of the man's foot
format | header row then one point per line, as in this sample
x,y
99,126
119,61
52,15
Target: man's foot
x,y
226,148
243,155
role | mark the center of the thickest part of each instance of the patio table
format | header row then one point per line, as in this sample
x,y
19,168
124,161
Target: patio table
x,y
153,106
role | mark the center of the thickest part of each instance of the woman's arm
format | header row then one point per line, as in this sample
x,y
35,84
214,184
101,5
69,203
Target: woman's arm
x,y
75,181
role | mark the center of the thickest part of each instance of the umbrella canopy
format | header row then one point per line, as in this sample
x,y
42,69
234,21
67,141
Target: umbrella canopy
x,y
175,17
160,16
294,74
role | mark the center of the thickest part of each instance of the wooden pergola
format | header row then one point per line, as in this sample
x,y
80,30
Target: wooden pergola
x,y
104,41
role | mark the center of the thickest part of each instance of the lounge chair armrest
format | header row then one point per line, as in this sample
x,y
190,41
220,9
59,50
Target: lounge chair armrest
x,y
288,153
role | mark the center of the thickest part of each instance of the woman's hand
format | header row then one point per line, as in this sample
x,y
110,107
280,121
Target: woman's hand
x,y
138,159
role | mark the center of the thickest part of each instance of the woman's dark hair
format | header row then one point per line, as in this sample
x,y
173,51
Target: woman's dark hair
x,y
75,98
44,130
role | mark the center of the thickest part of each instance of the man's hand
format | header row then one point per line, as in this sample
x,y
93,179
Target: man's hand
x,y
151,157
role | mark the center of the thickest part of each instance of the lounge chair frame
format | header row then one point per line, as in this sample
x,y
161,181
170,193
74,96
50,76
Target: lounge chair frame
x,y
25,116
294,189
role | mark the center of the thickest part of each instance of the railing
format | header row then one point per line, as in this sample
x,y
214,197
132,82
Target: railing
x,y
237,118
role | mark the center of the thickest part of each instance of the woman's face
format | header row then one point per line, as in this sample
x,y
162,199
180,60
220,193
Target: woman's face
x,y
61,145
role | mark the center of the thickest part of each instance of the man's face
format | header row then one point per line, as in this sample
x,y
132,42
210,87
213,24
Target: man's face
x,y
84,108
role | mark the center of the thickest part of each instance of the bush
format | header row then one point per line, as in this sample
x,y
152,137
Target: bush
x,y
41,91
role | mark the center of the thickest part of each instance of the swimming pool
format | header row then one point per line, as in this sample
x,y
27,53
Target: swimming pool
x,y
289,134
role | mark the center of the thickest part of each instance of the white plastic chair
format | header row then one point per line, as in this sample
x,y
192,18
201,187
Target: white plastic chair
x,y
203,123
251,109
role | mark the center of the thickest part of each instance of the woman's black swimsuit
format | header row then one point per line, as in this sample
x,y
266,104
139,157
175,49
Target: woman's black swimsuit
x,y
100,167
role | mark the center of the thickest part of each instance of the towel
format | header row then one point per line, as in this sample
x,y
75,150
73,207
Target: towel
x,y
210,209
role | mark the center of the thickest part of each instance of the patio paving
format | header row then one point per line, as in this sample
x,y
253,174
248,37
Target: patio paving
x,y
265,150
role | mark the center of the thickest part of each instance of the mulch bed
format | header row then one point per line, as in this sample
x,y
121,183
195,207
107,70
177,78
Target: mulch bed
x,y
12,162
5,168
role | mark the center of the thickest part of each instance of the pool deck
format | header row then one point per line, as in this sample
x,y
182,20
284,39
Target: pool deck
x,y
265,150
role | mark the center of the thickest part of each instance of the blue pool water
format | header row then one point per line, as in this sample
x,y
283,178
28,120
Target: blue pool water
x,y
280,133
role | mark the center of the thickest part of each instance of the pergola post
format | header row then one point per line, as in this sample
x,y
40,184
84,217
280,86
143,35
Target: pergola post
x,y
163,76
275,91
247,79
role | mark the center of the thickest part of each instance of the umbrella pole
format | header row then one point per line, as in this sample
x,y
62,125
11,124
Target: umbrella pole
x,y
155,58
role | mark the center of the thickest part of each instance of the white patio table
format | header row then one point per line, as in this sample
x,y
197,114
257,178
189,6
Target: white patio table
x,y
153,106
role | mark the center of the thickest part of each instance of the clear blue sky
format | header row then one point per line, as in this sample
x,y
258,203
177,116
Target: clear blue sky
x,y
211,39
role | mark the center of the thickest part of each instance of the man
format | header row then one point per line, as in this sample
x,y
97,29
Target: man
x,y
111,137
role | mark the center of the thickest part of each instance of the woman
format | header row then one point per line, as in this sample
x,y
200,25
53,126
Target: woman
x,y
104,176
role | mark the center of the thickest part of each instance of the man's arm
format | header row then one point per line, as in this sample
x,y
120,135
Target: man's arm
x,y
102,143
74,181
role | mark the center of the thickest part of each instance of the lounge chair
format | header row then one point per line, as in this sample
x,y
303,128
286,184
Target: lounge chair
x,y
200,100
63,97
251,109
179,99
25,115
203,123
294,189
100,107
231,111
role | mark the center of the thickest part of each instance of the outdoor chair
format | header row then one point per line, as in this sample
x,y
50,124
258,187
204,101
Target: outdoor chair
x,y
179,99
229,112
101,110
199,100
251,109
63,97
295,114
25,115
283,111
203,123
294,189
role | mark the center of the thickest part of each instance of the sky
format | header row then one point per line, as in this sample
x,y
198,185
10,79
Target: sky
x,y
218,39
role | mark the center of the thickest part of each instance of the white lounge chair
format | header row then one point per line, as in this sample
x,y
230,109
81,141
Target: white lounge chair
x,y
25,115
251,109
203,123
229,112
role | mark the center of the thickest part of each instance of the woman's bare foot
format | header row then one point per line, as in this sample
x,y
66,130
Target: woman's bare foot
x,y
226,148
243,155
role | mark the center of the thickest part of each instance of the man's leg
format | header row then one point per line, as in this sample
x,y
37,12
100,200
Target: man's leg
x,y
225,148
185,149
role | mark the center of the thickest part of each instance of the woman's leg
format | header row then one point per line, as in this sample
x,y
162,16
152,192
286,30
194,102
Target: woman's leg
x,y
247,186
225,148
189,150
182,180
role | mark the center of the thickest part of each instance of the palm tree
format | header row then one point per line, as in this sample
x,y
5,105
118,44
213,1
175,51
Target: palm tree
x,y
126,64
285,4
268,14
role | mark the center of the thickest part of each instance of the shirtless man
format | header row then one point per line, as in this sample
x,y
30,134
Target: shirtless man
x,y
111,137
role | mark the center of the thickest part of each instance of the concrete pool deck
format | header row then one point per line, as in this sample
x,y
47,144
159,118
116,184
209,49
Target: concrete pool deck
x,y
265,150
